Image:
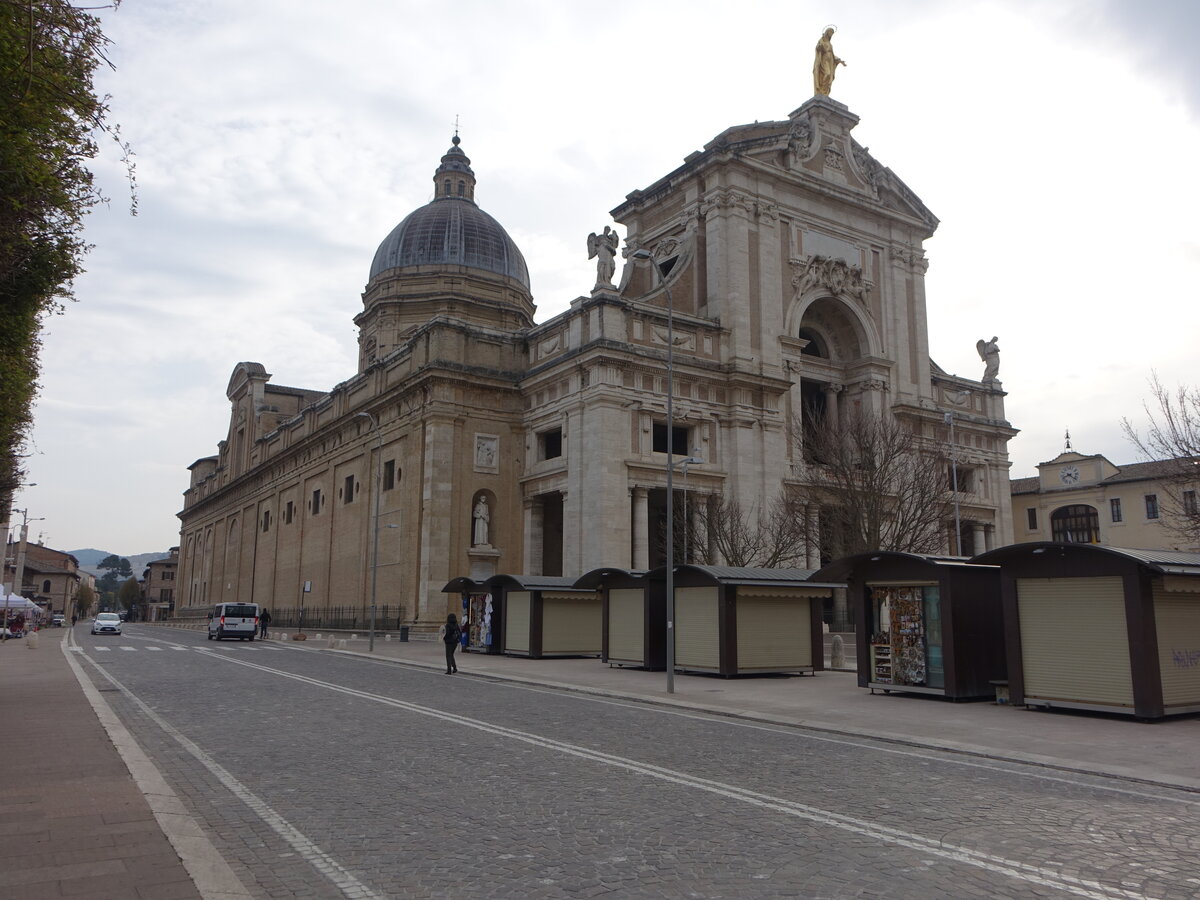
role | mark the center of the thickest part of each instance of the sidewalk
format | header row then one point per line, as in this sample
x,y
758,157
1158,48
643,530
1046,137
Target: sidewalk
x,y
72,820
1163,752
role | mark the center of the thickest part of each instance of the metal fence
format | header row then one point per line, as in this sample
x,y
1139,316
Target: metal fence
x,y
342,618
338,618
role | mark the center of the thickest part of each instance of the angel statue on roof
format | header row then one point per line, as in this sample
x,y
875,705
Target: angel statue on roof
x,y
604,246
989,352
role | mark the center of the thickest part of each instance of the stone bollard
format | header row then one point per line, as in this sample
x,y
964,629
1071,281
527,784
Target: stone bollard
x,y
31,640
354,637
337,644
282,636
837,652
317,636
387,637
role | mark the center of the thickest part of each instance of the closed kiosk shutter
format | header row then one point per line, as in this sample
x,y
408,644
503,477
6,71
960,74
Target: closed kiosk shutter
x,y
571,624
1074,640
697,635
773,633
627,625
1177,620
516,622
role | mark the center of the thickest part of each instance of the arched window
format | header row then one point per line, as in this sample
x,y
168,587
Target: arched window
x,y
446,188
462,188
815,346
1078,524
46,586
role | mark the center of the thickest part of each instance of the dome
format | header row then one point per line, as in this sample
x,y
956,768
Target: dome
x,y
451,229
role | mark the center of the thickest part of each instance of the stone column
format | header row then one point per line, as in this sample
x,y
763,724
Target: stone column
x,y
812,514
641,515
977,537
533,535
831,392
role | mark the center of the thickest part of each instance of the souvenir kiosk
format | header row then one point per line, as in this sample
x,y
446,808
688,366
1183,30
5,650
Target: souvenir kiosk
x,y
547,616
1101,628
634,612
741,621
927,624
481,617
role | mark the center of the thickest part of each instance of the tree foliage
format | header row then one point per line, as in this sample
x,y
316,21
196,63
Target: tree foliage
x,y
775,536
117,564
879,485
84,598
129,593
1171,437
49,118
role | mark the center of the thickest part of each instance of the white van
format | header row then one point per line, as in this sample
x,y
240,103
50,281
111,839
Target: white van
x,y
239,620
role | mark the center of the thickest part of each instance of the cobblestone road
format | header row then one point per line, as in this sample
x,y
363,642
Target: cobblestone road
x,y
318,775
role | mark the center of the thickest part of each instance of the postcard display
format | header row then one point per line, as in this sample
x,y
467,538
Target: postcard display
x,y
479,619
906,641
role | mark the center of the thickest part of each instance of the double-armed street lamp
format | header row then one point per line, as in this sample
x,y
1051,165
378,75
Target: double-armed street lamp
x,y
644,254
375,540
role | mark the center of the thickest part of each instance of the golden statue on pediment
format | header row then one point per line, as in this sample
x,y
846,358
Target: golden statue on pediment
x,y
825,64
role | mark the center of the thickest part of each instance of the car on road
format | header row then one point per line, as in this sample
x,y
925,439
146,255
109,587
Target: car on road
x,y
239,620
106,623
57,620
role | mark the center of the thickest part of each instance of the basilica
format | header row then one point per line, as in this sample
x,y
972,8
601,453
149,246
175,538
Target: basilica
x,y
777,271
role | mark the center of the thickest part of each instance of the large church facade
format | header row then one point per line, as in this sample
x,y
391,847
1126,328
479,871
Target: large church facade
x,y
782,266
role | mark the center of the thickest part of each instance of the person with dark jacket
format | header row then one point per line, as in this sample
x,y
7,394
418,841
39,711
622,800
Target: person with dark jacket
x,y
450,635
264,619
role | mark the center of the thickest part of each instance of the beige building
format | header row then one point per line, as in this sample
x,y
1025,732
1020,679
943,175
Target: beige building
x,y
48,577
158,586
792,278
1085,499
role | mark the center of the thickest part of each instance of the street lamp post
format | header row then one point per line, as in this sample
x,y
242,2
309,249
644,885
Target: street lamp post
x,y
949,419
645,254
375,540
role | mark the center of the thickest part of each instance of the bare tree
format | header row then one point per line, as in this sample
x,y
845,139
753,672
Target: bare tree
x,y
1172,439
774,536
880,485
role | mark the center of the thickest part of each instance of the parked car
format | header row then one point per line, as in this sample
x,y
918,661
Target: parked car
x,y
106,623
57,620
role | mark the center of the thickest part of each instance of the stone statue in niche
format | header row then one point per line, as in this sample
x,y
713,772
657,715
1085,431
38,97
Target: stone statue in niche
x,y
825,64
989,352
480,517
604,246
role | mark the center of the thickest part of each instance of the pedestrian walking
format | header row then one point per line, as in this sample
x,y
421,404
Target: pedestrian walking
x,y
264,619
74,619
450,636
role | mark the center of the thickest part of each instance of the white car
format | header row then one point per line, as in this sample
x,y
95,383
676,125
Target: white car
x,y
106,623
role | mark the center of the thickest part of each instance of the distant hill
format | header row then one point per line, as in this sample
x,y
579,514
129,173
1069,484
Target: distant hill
x,y
90,558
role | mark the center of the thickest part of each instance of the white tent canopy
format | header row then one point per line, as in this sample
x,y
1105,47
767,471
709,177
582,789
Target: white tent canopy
x,y
17,603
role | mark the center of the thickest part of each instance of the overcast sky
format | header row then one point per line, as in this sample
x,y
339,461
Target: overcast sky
x,y
279,142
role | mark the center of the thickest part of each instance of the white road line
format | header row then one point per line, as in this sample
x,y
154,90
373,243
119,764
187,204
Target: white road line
x,y
102,649
130,649
155,649
1010,868
350,886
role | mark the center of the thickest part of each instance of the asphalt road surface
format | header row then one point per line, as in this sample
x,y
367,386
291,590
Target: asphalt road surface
x,y
316,774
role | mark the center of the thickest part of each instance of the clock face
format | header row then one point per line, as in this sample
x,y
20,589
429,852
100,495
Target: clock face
x,y
1069,474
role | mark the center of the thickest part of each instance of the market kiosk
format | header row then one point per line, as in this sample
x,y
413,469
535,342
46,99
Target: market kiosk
x,y
1101,628
481,616
742,621
927,624
634,614
547,616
